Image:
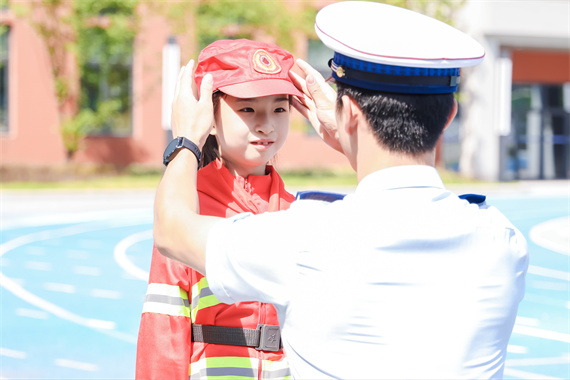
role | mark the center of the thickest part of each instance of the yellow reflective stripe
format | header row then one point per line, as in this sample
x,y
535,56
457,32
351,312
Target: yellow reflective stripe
x,y
193,303
166,299
226,367
237,367
202,297
207,302
232,361
275,369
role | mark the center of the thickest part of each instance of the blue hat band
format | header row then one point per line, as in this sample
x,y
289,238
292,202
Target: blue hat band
x,y
390,78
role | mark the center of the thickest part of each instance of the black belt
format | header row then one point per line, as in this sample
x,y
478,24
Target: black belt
x,y
263,338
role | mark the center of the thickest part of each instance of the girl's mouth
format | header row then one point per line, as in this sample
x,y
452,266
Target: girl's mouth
x,y
262,143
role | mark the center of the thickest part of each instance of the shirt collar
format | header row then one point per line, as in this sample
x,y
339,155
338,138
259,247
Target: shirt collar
x,y
409,176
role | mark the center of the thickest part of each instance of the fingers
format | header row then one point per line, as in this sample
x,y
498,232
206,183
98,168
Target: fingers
x,y
321,92
303,110
308,69
314,85
177,87
298,82
187,77
206,89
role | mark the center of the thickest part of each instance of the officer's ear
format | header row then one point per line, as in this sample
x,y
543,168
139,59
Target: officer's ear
x,y
351,114
451,115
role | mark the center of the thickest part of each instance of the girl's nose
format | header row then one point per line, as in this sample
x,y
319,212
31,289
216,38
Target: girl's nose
x,y
263,124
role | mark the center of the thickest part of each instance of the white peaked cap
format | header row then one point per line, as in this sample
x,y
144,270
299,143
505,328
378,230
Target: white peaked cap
x,y
385,36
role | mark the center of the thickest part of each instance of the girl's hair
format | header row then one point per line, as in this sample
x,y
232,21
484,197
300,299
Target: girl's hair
x,y
211,150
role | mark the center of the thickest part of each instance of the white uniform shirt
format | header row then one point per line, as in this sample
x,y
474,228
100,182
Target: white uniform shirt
x,y
401,279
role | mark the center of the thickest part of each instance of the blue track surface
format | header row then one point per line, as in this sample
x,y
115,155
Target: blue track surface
x,y
72,294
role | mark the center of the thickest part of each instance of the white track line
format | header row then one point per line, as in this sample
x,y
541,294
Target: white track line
x,y
25,295
41,303
121,258
550,273
518,374
76,365
553,235
12,353
540,333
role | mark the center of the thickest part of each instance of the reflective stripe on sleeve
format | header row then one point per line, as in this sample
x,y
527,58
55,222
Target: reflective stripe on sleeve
x,y
166,299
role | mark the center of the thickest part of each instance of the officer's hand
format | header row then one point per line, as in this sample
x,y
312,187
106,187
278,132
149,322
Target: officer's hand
x,y
192,118
318,104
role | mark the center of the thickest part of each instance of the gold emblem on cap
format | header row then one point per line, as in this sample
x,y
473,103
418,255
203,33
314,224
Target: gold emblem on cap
x,y
340,71
264,63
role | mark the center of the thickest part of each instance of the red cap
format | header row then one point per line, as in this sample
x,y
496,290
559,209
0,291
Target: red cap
x,y
247,69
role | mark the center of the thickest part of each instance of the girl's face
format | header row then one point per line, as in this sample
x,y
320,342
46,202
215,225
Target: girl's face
x,y
251,131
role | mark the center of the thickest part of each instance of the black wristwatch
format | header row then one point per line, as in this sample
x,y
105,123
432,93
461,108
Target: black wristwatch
x,y
178,143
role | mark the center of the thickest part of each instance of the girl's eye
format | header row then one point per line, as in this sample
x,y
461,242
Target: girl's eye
x,y
280,109
246,109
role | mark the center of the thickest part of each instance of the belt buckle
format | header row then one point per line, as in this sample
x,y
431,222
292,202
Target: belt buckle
x,y
269,338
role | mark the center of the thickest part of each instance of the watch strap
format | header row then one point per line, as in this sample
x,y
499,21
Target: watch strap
x,y
179,143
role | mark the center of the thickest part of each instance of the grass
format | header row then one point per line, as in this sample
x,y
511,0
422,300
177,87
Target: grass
x,y
126,181
149,179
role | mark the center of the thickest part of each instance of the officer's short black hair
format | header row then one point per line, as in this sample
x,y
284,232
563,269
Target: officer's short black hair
x,y
406,123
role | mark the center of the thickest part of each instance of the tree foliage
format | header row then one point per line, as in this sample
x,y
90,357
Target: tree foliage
x,y
99,35
245,19
93,33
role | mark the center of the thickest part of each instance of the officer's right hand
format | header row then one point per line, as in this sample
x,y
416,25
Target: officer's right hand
x,y
192,116
319,103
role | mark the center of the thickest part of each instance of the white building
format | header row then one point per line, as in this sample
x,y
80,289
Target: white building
x,y
515,114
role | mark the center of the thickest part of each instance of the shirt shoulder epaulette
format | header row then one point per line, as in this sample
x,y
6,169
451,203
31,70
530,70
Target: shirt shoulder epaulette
x,y
477,199
319,196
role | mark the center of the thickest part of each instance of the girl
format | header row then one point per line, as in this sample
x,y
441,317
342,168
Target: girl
x,y
185,331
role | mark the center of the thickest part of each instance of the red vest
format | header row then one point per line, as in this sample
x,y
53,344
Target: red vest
x,y
179,296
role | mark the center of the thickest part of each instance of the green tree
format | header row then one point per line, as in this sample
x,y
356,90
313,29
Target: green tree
x,y
245,19
98,36
201,22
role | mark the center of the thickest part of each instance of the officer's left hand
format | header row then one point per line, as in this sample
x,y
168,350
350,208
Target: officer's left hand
x,y
191,117
318,104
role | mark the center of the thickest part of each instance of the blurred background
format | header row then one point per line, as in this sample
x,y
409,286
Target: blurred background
x,y
85,94
88,84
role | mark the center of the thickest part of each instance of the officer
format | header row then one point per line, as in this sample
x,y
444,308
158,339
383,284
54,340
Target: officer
x,y
402,278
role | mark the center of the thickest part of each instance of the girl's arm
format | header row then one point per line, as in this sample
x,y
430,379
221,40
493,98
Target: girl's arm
x,y
180,233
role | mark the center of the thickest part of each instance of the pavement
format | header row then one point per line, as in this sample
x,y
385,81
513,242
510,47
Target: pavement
x,y
74,267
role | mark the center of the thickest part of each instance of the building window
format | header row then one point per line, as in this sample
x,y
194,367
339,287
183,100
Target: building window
x,y
4,38
538,146
106,85
106,45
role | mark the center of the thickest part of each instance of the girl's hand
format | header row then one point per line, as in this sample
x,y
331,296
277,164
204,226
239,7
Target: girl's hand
x,y
319,103
191,117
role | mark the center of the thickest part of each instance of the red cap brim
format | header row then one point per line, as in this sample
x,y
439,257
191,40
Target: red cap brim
x,y
258,88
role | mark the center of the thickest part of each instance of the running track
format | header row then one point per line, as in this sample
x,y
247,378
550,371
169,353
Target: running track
x,y
74,266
